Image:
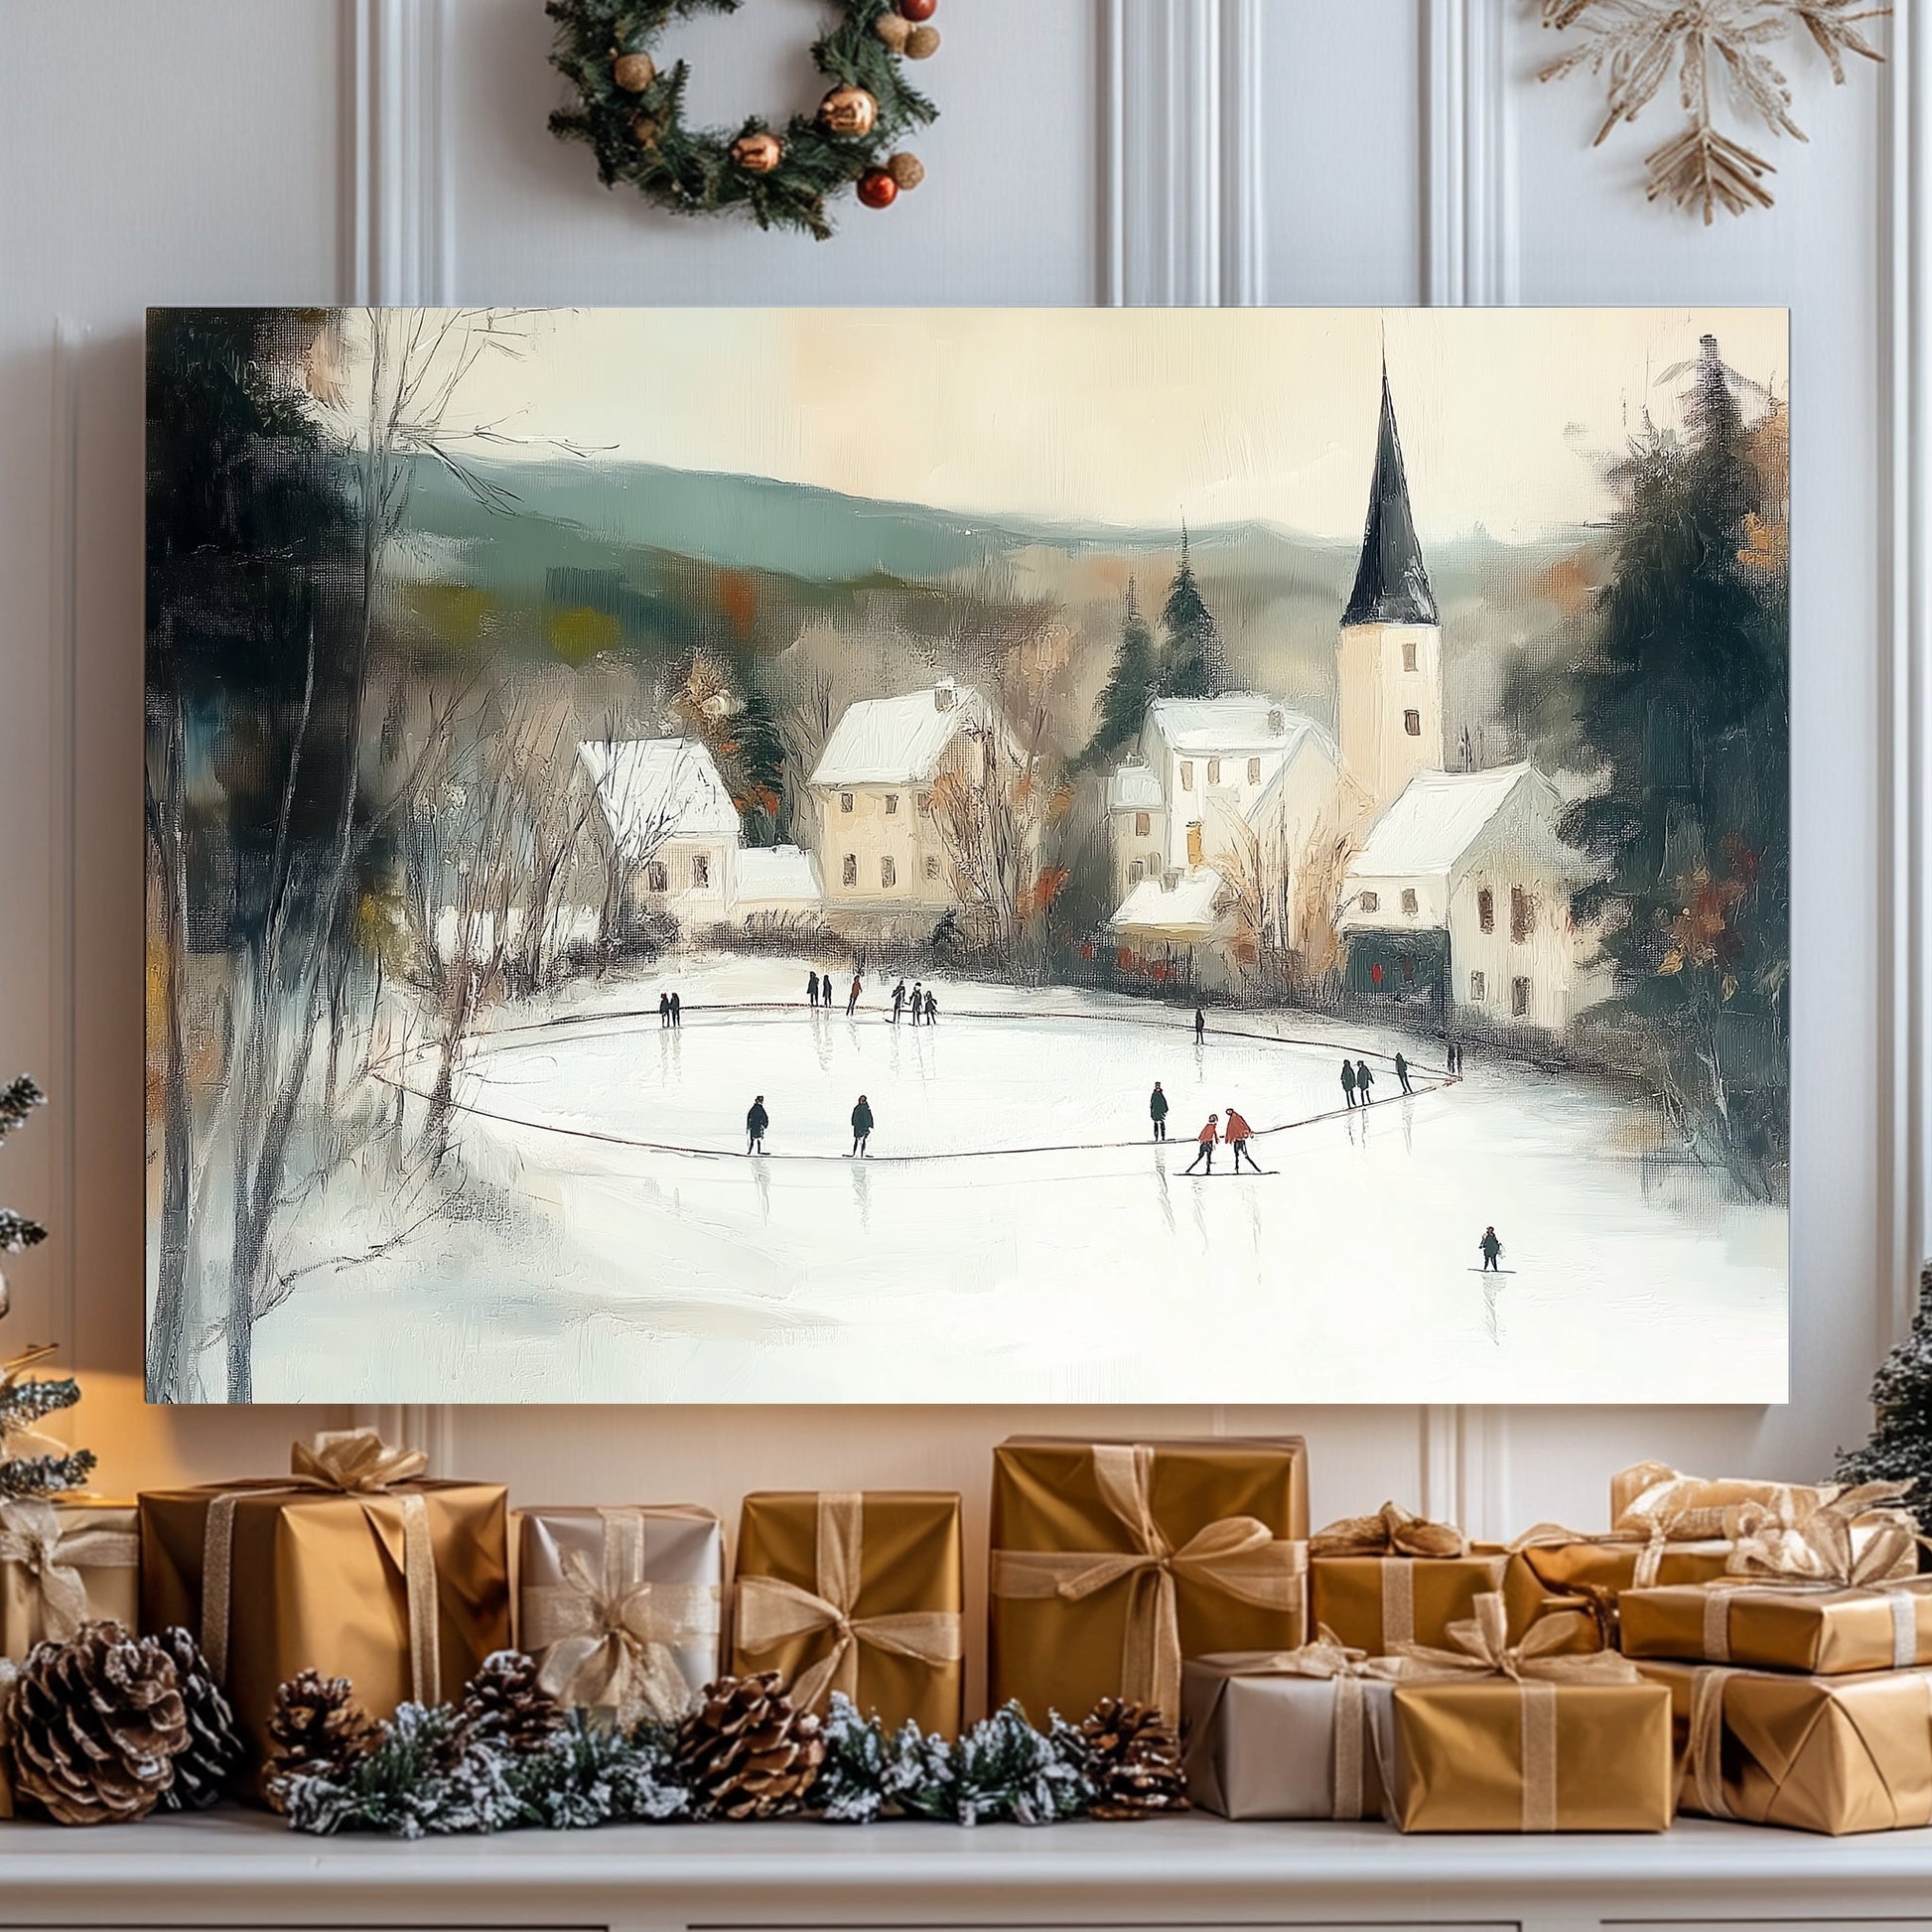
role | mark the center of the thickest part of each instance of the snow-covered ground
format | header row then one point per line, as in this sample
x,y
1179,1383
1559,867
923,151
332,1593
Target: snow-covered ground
x,y
1015,1236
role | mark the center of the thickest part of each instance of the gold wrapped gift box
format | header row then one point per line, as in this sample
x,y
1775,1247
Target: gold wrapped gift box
x,y
1114,1561
623,1608
1758,1622
1562,1574
357,1567
1648,1494
839,1591
1831,1754
1378,1603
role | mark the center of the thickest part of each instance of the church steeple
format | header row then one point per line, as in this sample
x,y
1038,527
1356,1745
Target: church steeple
x,y
1391,583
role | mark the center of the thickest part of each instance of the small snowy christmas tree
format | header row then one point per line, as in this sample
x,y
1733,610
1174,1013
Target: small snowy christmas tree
x,y
1900,1443
30,1463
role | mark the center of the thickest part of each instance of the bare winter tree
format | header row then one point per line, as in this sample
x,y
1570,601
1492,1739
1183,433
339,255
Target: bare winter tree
x,y
991,803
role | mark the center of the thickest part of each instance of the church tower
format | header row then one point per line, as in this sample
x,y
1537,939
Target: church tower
x,y
1391,654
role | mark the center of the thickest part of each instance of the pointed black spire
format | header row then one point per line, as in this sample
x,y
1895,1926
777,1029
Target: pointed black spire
x,y
1391,583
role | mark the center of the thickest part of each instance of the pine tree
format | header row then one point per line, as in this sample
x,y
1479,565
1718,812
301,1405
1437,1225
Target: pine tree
x,y
18,1099
1193,661
1900,1443
1130,685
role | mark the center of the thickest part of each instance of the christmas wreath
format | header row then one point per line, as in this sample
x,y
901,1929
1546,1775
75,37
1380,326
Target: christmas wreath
x,y
632,115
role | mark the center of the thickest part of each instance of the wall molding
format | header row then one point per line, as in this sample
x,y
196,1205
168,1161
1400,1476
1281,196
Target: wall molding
x,y
1469,253
398,235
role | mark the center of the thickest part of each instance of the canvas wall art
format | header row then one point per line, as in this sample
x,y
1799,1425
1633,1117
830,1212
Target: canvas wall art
x,y
967,856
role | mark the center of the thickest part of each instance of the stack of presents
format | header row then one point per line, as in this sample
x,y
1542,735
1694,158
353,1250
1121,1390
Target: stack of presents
x,y
1755,1651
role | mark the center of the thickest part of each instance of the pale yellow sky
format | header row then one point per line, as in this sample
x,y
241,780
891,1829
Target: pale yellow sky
x,y
1126,416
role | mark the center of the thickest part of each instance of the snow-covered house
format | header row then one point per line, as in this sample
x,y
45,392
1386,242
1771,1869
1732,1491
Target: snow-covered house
x,y
1462,887
668,815
888,789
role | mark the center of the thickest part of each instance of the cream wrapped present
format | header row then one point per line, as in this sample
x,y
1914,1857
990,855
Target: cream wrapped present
x,y
1378,1582
623,1608
1650,1495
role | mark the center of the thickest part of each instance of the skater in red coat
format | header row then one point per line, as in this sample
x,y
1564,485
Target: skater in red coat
x,y
1238,1134
1206,1151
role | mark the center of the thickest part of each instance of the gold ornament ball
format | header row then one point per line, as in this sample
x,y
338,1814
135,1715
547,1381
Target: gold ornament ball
x,y
922,43
633,72
895,30
644,131
848,111
758,154
908,170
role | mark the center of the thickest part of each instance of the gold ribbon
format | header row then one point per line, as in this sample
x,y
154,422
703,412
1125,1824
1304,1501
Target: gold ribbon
x,y
1391,1532
771,1610
1690,1533
1686,1508
609,1641
1240,1556
350,1463
1856,1541
31,1536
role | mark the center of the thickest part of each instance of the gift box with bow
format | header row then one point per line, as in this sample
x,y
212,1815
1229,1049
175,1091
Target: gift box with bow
x,y
1112,1562
355,1565
859,1593
1380,1581
1487,1736
623,1610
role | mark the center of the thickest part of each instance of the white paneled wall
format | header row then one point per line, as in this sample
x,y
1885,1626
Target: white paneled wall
x,y
1287,150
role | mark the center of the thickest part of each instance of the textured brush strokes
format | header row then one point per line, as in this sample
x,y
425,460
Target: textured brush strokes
x,y
1214,700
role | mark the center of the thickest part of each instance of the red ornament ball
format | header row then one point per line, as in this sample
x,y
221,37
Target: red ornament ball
x,y
918,10
876,188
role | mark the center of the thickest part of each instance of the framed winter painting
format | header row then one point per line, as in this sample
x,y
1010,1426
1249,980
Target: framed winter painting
x,y
971,856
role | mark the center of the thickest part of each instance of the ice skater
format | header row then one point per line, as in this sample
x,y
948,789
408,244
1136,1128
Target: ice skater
x,y
1364,1079
1492,1252
1201,1025
1237,1133
1349,1080
919,1002
756,1122
899,1001
860,1127
852,998
1402,1073
811,987
931,1008
677,1013
1157,1111
663,1008
1206,1150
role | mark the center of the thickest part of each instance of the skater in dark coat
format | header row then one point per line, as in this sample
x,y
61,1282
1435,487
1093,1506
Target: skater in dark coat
x,y
1364,1079
931,1006
1157,1108
677,1010
1237,1133
1201,1025
1492,1251
1349,1080
861,1125
756,1122
919,1000
811,988
1402,1073
1206,1150
899,1001
663,1008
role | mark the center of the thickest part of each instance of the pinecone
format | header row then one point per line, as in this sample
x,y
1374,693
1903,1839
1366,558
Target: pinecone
x,y
504,1703
316,1729
97,1722
747,1753
203,1769
1133,1762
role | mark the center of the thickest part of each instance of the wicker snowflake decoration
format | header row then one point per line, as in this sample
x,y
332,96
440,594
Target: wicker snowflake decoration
x,y
1720,52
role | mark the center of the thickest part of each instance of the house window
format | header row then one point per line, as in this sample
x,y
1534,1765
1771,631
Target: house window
x,y
887,872
932,865
1408,654
1412,723
1214,771
850,872
1254,771
925,804
891,804
1519,999
1409,900
1522,914
1371,901
1187,774
845,802
1143,824
657,878
1487,909
1135,873
700,871
1478,987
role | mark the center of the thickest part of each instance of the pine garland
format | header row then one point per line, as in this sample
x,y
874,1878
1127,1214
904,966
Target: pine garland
x,y
22,1404
641,137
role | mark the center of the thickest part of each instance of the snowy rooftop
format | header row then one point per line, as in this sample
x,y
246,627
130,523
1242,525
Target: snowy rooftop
x,y
1242,721
774,872
1186,911
898,741
1133,788
1434,821
655,788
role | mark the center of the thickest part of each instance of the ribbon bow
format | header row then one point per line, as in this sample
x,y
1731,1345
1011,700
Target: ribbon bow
x,y
605,1645
771,1611
1239,1556
1482,1649
32,1536
1858,1540
1657,1499
356,1461
1391,1532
